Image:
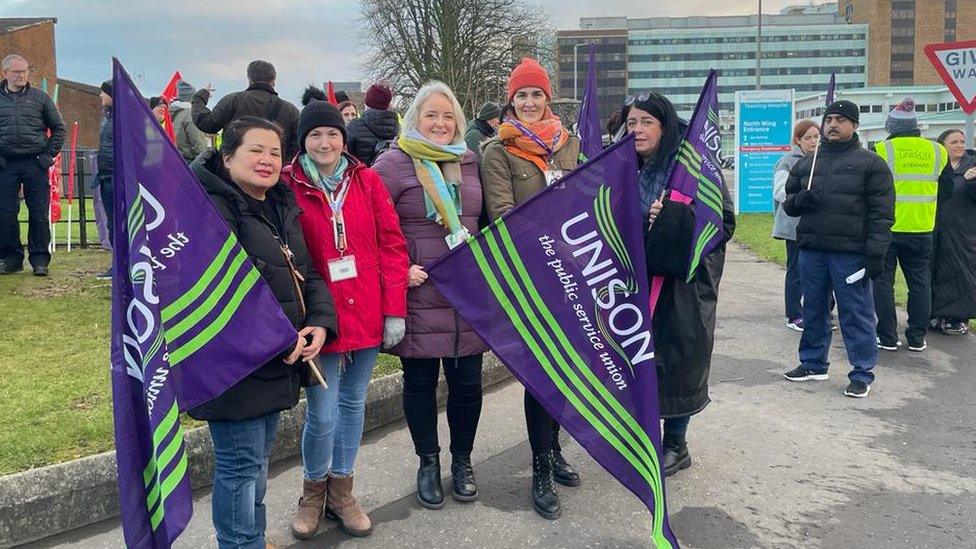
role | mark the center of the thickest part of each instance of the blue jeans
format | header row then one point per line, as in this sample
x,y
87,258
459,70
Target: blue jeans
x,y
241,451
792,292
676,426
819,273
334,420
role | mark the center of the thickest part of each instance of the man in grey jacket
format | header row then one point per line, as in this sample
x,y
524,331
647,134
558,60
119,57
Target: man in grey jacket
x,y
26,152
189,139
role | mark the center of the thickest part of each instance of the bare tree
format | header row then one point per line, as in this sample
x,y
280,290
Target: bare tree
x,y
471,45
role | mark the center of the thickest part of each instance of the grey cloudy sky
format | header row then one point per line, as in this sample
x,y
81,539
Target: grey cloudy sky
x,y
307,40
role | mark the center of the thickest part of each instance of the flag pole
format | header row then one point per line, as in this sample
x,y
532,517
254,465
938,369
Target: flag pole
x,y
813,165
316,372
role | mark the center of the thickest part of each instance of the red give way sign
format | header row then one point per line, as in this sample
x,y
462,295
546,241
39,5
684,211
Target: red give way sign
x,y
956,63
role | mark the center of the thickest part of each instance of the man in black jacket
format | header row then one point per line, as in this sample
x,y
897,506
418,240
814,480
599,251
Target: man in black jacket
x,y
259,99
26,152
846,214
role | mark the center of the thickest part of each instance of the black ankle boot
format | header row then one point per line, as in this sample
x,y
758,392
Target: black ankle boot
x,y
429,491
544,499
462,477
676,456
562,472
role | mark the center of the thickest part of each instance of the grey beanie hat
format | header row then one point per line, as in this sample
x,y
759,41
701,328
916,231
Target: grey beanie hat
x,y
184,91
488,111
902,118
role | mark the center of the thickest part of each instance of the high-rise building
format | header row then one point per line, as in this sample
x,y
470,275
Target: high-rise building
x,y
610,56
900,30
801,48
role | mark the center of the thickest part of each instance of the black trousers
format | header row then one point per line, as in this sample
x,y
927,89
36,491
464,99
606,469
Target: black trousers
x,y
542,428
106,186
913,251
37,195
464,397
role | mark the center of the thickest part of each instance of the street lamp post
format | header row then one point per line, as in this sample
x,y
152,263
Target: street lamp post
x,y
759,50
576,70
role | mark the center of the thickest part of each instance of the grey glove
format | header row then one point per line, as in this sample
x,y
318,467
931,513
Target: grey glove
x,y
394,328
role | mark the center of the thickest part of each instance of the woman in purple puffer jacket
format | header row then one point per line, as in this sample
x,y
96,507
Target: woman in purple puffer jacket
x,y
433,181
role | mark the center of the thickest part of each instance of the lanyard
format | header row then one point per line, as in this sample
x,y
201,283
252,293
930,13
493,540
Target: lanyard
x,y
336,201
550,149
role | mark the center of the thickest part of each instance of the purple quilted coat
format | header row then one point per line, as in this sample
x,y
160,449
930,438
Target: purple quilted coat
x,y
434,329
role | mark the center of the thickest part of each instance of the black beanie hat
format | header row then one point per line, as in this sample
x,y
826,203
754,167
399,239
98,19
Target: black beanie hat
x,y
317,114
107,87
845,108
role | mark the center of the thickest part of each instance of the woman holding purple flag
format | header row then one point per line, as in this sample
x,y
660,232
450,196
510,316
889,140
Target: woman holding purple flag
x,y
531,151
355,242
684,315
433,180
242,180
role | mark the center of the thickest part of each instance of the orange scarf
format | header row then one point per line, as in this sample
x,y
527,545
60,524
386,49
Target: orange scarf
x,y
525,147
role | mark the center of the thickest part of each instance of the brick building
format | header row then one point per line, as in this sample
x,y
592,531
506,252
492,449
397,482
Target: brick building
x,y
899,30
33,38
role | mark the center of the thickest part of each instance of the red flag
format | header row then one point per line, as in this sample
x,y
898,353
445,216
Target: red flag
x,y
72,162
330,92
169,95
54,181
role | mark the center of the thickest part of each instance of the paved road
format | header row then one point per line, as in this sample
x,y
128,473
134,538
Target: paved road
x,y
776,464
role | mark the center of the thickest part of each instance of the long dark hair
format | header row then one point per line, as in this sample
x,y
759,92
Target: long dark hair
x,y
659,107
233,135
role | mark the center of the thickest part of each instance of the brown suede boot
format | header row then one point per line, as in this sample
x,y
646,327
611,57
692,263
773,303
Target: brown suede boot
x,y
306,521
344,509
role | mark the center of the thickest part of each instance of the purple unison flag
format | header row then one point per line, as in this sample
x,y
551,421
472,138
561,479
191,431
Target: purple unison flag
x,y
696,178
830,88
190,317
590,132
558,289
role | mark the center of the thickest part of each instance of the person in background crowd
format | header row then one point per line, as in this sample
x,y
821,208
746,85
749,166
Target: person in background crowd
x,y
189,139
531,151
806,134
26,153
433,180
242,180
484,127
259,99
954,260
615,125
349,111
106,166
684,316
158,108
355,243
341,97
374,131
916,164
846,216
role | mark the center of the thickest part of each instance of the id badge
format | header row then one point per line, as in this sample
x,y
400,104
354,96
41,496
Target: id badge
x,y
457,238
342,268
552,176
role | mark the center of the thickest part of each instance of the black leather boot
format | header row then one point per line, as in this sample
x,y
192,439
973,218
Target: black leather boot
x,y
462,477
676,456
562,472
545,501
429,491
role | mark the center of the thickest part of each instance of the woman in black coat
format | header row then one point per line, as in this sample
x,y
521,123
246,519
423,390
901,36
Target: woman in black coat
x,y
684,317
954,259
242,180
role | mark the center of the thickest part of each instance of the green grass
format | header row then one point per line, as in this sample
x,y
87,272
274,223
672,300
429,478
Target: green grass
x,y
61,230
55,393
754,231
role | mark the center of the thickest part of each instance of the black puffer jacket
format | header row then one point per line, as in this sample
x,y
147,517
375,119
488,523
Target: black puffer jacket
x,y
25,117
275,386
365,133
855,200
106,144
954,257
257,100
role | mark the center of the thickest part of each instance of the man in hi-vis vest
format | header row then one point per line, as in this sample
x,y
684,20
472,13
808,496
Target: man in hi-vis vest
x,y
916,164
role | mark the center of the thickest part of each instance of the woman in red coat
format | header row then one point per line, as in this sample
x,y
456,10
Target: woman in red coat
x,y
354,238
433,180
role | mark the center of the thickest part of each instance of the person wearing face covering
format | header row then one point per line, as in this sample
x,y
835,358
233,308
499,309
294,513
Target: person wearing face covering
x,y
355,241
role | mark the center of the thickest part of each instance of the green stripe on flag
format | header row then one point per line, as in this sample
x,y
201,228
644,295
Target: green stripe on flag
x,y
709,231
213,299
608,228
206,278
181,353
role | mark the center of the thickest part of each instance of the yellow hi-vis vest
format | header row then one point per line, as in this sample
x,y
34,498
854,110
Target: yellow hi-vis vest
x,y
916,164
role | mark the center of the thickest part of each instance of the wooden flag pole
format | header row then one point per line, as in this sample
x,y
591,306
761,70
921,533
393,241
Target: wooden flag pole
x,y
316,372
